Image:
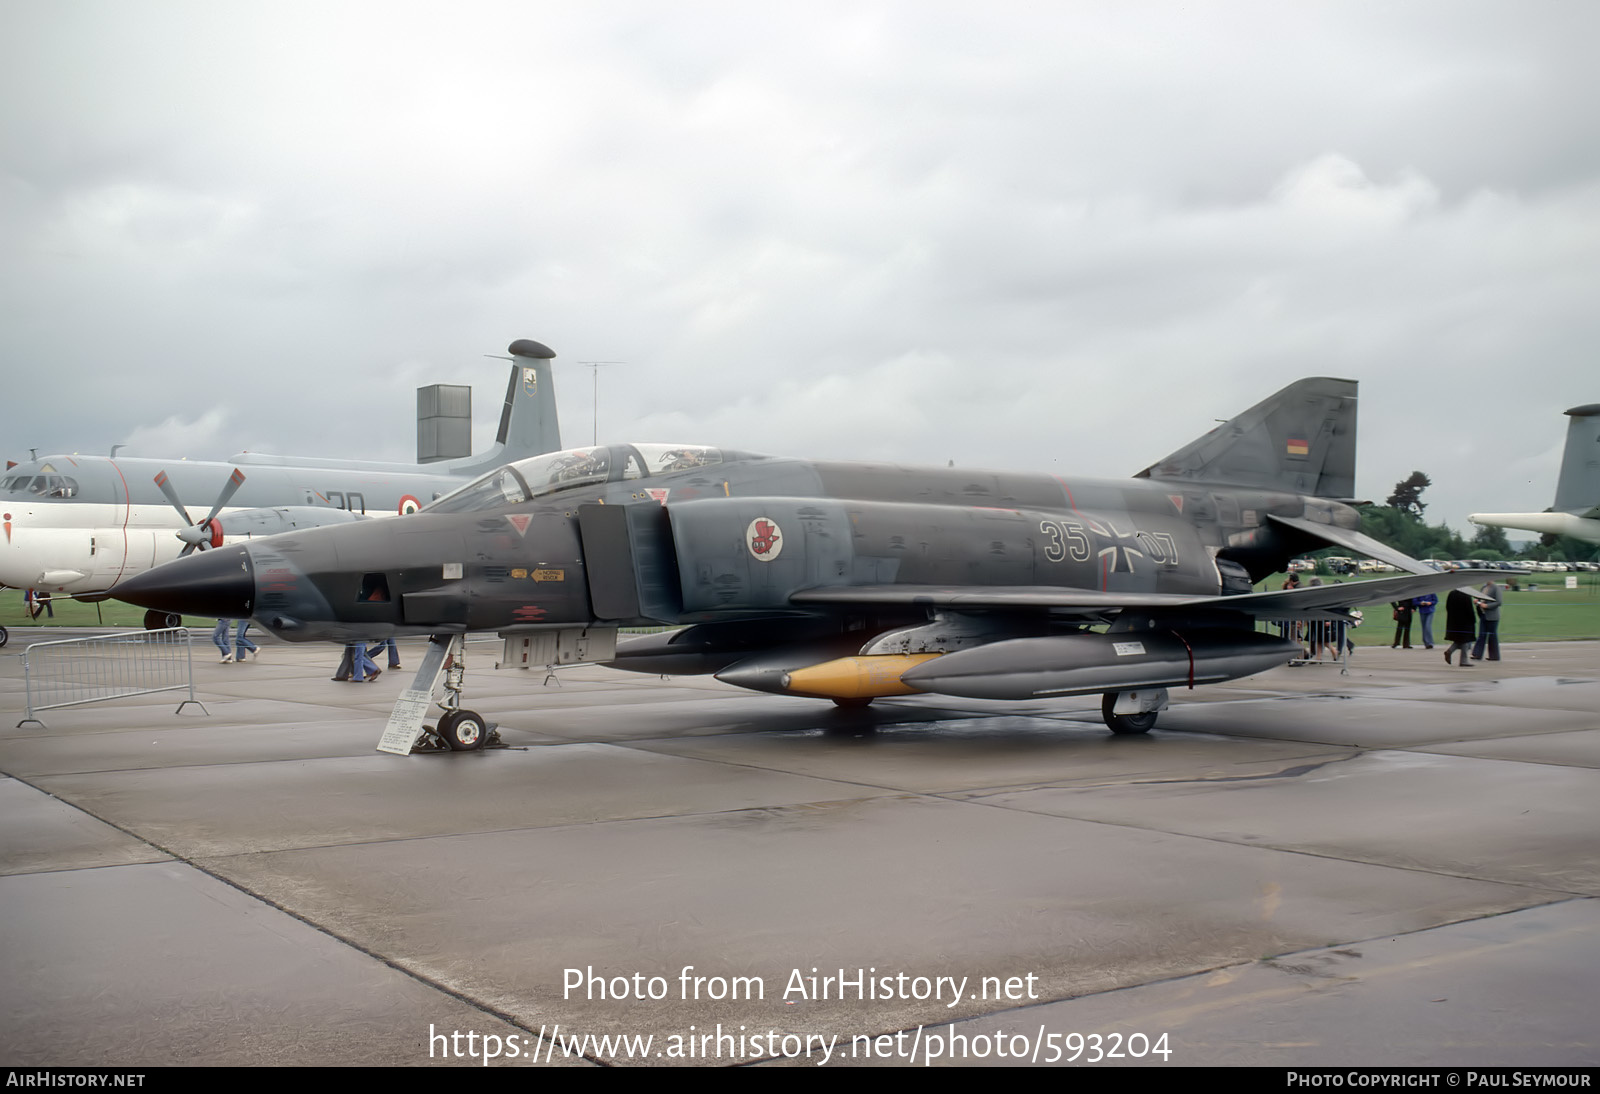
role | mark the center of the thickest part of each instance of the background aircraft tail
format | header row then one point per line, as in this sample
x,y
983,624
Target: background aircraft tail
x,y
1301,440
1578,488
528,424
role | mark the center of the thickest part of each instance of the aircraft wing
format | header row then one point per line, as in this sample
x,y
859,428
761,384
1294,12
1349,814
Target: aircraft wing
x,y
1304,603
1312,601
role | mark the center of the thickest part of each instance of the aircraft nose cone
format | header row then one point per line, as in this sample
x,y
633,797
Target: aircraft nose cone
x,y
219,583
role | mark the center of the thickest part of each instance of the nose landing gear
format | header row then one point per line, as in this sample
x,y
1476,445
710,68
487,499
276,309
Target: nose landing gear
x,y
458,729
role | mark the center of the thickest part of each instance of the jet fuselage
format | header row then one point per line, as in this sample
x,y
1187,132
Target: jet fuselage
x,y
736,540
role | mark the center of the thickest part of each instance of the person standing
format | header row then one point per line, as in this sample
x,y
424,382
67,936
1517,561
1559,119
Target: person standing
x,y
1489,616
1459,624
1294,630
1425,606
1402,624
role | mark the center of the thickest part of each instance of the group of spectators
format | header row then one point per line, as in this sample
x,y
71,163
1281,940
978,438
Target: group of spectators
x,y
1469,620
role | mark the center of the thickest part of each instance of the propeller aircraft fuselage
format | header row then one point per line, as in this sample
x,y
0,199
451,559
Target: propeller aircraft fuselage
x,y
82,524
848,581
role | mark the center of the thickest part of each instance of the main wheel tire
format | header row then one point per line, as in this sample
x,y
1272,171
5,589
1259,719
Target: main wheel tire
x,y
1125,723
852,704
463,730
5,636
161,621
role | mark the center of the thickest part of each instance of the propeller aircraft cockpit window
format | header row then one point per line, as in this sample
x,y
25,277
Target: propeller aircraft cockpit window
x,y
43,486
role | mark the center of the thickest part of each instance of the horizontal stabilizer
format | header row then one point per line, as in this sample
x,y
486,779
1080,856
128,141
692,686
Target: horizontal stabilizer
x,y
1355,541
1309,602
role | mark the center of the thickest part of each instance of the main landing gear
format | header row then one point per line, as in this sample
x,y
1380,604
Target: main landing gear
x,y
1139,710
161,621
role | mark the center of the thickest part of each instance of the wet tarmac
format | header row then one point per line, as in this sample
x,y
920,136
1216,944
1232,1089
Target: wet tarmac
x,y
1397,865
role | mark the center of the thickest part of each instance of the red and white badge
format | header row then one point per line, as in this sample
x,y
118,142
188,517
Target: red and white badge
x,y
764,538
409,505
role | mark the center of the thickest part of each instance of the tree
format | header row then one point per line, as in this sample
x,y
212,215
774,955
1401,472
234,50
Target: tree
x,y
1408,494
1492,538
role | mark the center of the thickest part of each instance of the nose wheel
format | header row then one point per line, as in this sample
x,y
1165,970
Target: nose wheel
x,y
462,730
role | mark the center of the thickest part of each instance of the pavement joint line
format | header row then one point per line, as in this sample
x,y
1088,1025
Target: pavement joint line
x,y
1307,852
420,978
1283,773
1269,961
1003,788
981,799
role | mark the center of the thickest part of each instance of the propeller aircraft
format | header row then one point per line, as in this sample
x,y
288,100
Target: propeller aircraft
x,y
79,525
1576,510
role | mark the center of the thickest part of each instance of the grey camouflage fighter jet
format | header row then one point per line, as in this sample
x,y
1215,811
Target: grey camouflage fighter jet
x,y
845,581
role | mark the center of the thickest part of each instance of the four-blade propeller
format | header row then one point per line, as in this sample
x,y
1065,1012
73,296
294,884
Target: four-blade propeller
x,y
206,533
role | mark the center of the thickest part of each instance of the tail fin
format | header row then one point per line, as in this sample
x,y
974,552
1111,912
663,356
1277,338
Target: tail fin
x,y
528,423
1578,488
1301,440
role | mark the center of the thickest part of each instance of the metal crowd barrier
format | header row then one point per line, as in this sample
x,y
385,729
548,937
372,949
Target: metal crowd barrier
x,y
1318,638
75,671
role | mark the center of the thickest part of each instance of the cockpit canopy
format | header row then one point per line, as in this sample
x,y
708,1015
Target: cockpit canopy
x,y
567,470
41,486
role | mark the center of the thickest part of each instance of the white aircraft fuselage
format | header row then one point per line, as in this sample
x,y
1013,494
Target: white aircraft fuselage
x,y
76,524
82,524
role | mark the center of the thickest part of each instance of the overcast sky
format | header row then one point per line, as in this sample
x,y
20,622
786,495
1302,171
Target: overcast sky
x,y
1062,237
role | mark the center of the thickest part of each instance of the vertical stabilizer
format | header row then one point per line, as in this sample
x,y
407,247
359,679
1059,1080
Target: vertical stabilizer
x,y
1578,488
528,424
1301,440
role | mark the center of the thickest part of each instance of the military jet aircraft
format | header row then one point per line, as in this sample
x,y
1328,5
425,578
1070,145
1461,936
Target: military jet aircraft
x,y
81,524
1576,510
844,581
